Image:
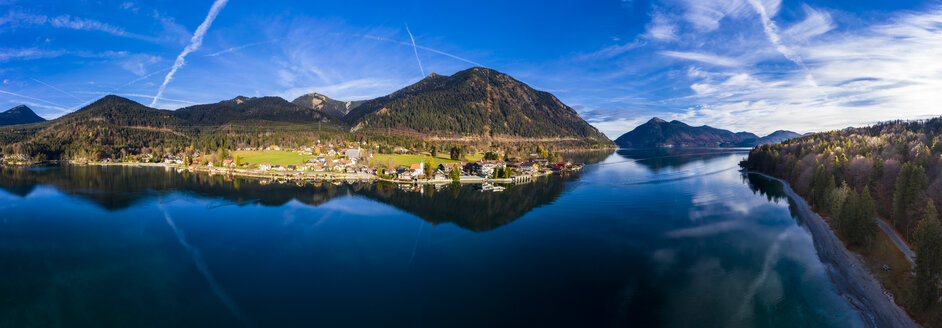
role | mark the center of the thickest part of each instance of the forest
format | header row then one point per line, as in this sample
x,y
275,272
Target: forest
x,y
892,170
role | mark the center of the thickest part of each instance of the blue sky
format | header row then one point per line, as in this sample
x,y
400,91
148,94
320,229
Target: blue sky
x,y
756,65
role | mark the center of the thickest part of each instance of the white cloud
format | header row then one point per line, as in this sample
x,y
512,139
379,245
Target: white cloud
x,y
703,58
16,19
885,72
815,23
660,28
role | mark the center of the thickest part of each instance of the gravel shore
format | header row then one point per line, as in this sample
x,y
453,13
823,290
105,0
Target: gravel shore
x,y
850,277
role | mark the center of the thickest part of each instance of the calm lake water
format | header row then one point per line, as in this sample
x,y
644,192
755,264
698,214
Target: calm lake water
x,y
643,238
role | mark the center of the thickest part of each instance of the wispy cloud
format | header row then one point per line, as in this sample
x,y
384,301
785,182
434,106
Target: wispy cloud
x,y
703,58
660,28
16,19
37,53
884,72
195,42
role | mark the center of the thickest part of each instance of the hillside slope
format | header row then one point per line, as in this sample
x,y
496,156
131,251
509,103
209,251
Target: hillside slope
x,y
477,102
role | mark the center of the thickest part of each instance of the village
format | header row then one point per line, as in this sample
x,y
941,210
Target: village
x,y
358,161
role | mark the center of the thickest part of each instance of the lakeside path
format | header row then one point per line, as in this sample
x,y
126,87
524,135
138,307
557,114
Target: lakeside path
x,y
897,240
850,277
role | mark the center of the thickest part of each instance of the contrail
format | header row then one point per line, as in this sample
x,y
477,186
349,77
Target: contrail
x,y
239,48
139,95
195,42
771,255
142,78
450,55
203,268
416,50
771,31
55,106
57,89
416,245
425,48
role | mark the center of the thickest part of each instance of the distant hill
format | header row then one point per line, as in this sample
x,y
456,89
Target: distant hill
x,y
19,115
240,108
337,109
658,133
477,102
113,125
777,137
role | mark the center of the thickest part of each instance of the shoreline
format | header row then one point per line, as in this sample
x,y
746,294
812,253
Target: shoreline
x,y
847,273
313,176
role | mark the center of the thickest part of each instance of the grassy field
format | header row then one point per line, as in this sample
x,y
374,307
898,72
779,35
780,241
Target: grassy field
x,y
275,157
406,160
253,158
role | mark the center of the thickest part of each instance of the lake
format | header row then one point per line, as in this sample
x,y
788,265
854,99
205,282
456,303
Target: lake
x,y
643,238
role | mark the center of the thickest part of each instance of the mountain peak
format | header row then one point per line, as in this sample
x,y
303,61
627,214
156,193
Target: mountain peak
x,y
113,99
19,115
655,134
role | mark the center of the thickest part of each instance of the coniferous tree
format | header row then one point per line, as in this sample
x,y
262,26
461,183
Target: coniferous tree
x,y
909,184
927,242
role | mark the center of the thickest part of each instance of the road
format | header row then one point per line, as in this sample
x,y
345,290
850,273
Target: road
x,y
850,276
897,240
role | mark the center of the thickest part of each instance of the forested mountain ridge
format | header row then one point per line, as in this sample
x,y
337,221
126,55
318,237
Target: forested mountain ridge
x,y
114,126
336,108
892,169
475,102
658,133
19,115
241,108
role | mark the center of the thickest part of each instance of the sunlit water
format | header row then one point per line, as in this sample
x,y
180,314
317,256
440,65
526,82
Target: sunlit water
x,y
643,238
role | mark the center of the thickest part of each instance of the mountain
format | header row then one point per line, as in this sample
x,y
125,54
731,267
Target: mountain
x,y
240,109
113,126
19,115
658,133
777,137
476,103
335,108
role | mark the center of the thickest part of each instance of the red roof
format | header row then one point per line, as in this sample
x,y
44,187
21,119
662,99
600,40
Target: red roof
x,y
416,167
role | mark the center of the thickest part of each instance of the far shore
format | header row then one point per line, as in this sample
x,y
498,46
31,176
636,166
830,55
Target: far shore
x,y
303,176
849,275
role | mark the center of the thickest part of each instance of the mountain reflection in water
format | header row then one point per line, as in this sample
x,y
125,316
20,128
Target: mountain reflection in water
x,y
120,187
647,238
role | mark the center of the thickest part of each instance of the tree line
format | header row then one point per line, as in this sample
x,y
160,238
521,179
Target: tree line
x,y
892,170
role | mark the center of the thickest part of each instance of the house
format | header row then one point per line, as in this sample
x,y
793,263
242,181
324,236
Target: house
x,y
315,167
404,174
354,153
487,169
447,167
530,167
291,168
331,153
472,168
227,163
264,166
278,168
350,169
418,167
274,147
399,149
439,175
